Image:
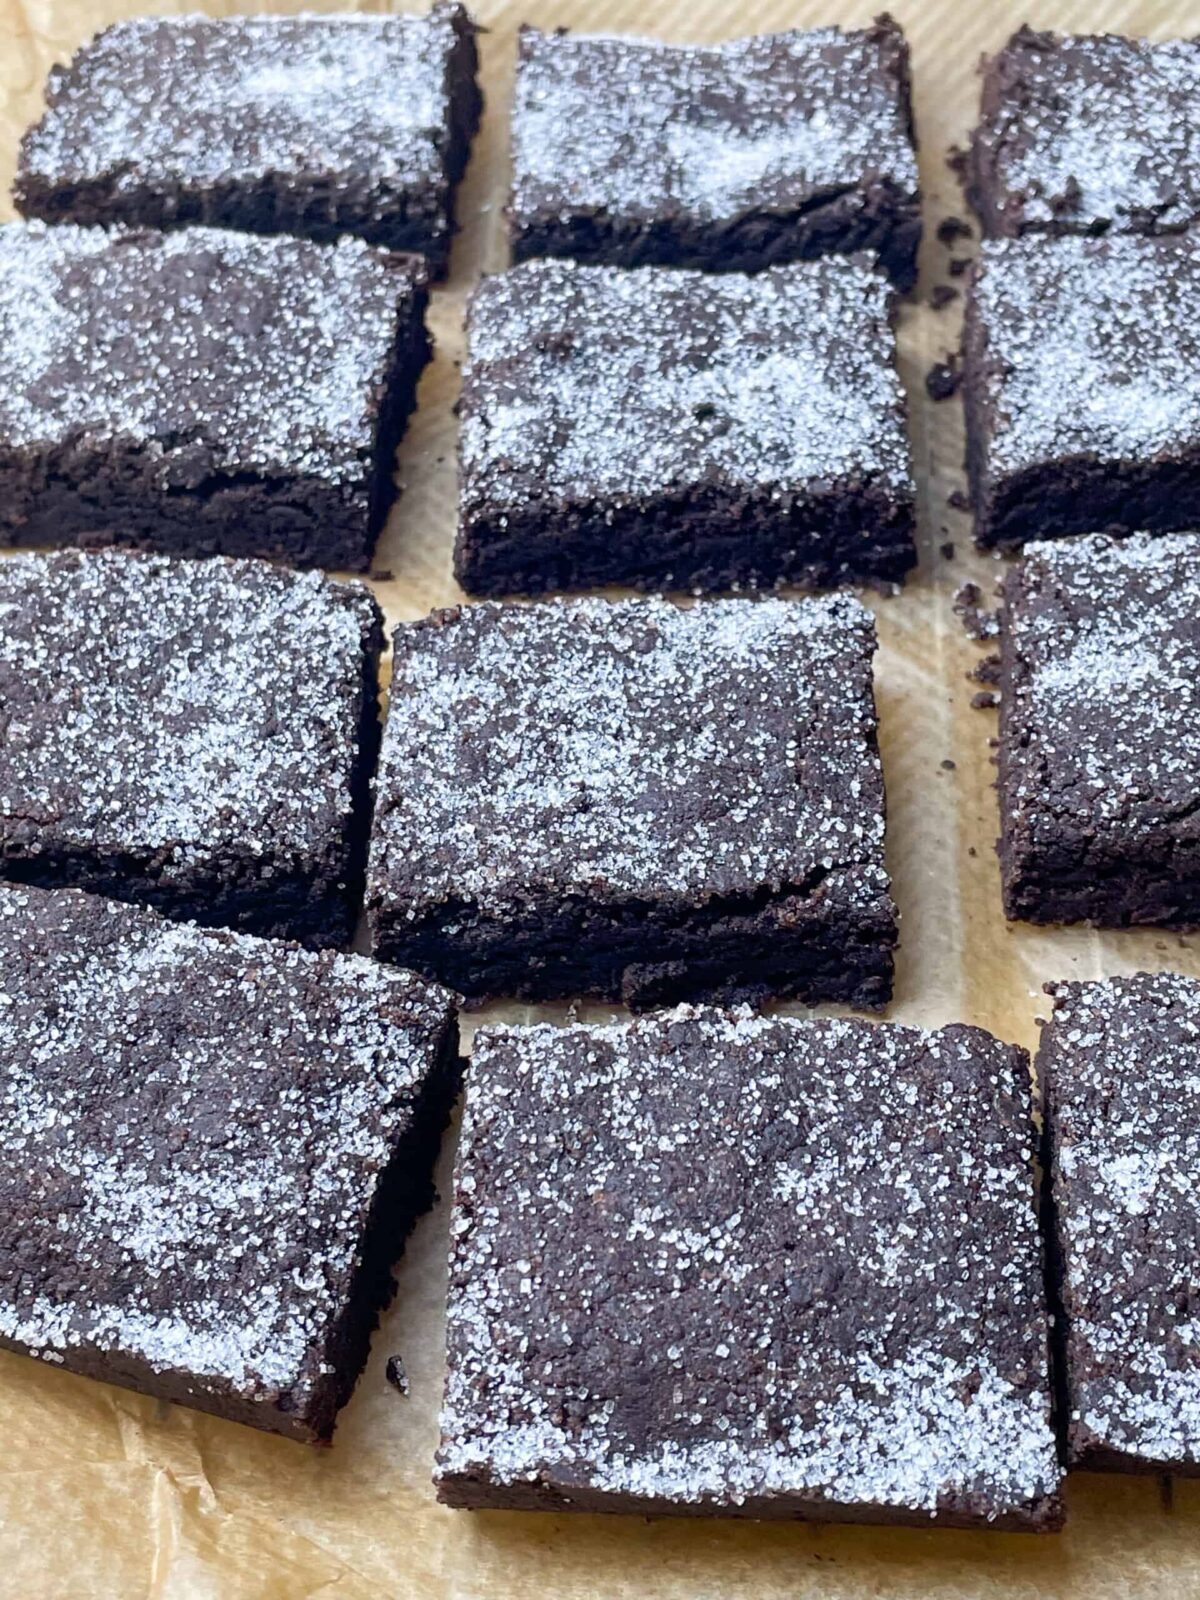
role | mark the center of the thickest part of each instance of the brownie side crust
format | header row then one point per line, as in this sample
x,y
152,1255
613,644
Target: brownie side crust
x,y
735,157
1120,1061
1099,757
1083,134
316,126
1114,320
204,392
213,1149
635,802
680,430
714,1263
214,760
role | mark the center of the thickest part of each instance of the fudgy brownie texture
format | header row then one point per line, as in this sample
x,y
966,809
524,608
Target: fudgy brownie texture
x,y
1087,133
1120,1067
212,1148
198,735
203,392
731,157
1099,733
678,429
765,1267
636,802
1082,386
309,125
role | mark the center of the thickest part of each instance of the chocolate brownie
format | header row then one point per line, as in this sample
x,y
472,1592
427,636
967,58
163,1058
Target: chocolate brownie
x,y
767,1267
212,1148
203,391
676,429
1082,386
731,156
198,735
634,801
1099,734
310,125
1120,1063
1086,133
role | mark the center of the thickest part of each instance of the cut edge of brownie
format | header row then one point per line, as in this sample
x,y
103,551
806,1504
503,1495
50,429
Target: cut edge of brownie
x,y
779,944
257,207
888,223
693,541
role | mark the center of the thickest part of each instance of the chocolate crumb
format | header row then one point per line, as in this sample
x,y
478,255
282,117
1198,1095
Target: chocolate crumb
x,y
947,550
396,1375
984,700
959,266
383,575
942,294
949,766
977,621
986,670
958,500
943,379
951,229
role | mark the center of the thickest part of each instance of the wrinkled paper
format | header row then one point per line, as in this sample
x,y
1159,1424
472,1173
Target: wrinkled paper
x,y
106,1493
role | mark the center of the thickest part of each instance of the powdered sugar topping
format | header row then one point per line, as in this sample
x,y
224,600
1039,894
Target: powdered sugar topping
x,y
593,382
1093,348
205,353
628,748
634,128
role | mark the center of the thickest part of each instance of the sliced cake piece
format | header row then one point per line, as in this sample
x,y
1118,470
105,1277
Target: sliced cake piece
x,y
212,1148
767,1267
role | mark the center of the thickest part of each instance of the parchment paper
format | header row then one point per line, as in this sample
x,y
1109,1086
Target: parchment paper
x,y
104,1493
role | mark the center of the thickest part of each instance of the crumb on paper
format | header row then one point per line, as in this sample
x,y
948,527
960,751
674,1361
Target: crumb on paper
x,y
943,379
942,294
951,229
396,1375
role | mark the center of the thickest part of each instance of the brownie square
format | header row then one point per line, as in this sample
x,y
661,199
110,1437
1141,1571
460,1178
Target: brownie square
x,y
731,156
636,802
199,735
309,125
1084,133
675,429
1099,743
203,392
1082,386
212,1148
765,1267
1120,1064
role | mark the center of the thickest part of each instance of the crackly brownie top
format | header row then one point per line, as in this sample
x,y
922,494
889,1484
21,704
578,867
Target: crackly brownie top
x,y
1101,702
201,353
192,1126
180,712
1121,1060
1093,348
639,130
197,100
711,1255
1092,131
632,748
584,382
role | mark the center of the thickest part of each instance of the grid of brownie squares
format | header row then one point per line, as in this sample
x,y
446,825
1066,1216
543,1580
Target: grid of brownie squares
x,y
196,735
830,1229
203,391
310,125
214,1143
676,429
1099,753
212,1147
729,157
1120,1066
635,801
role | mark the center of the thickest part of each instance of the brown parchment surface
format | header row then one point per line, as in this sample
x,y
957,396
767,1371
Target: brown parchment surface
x,y
105,1493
